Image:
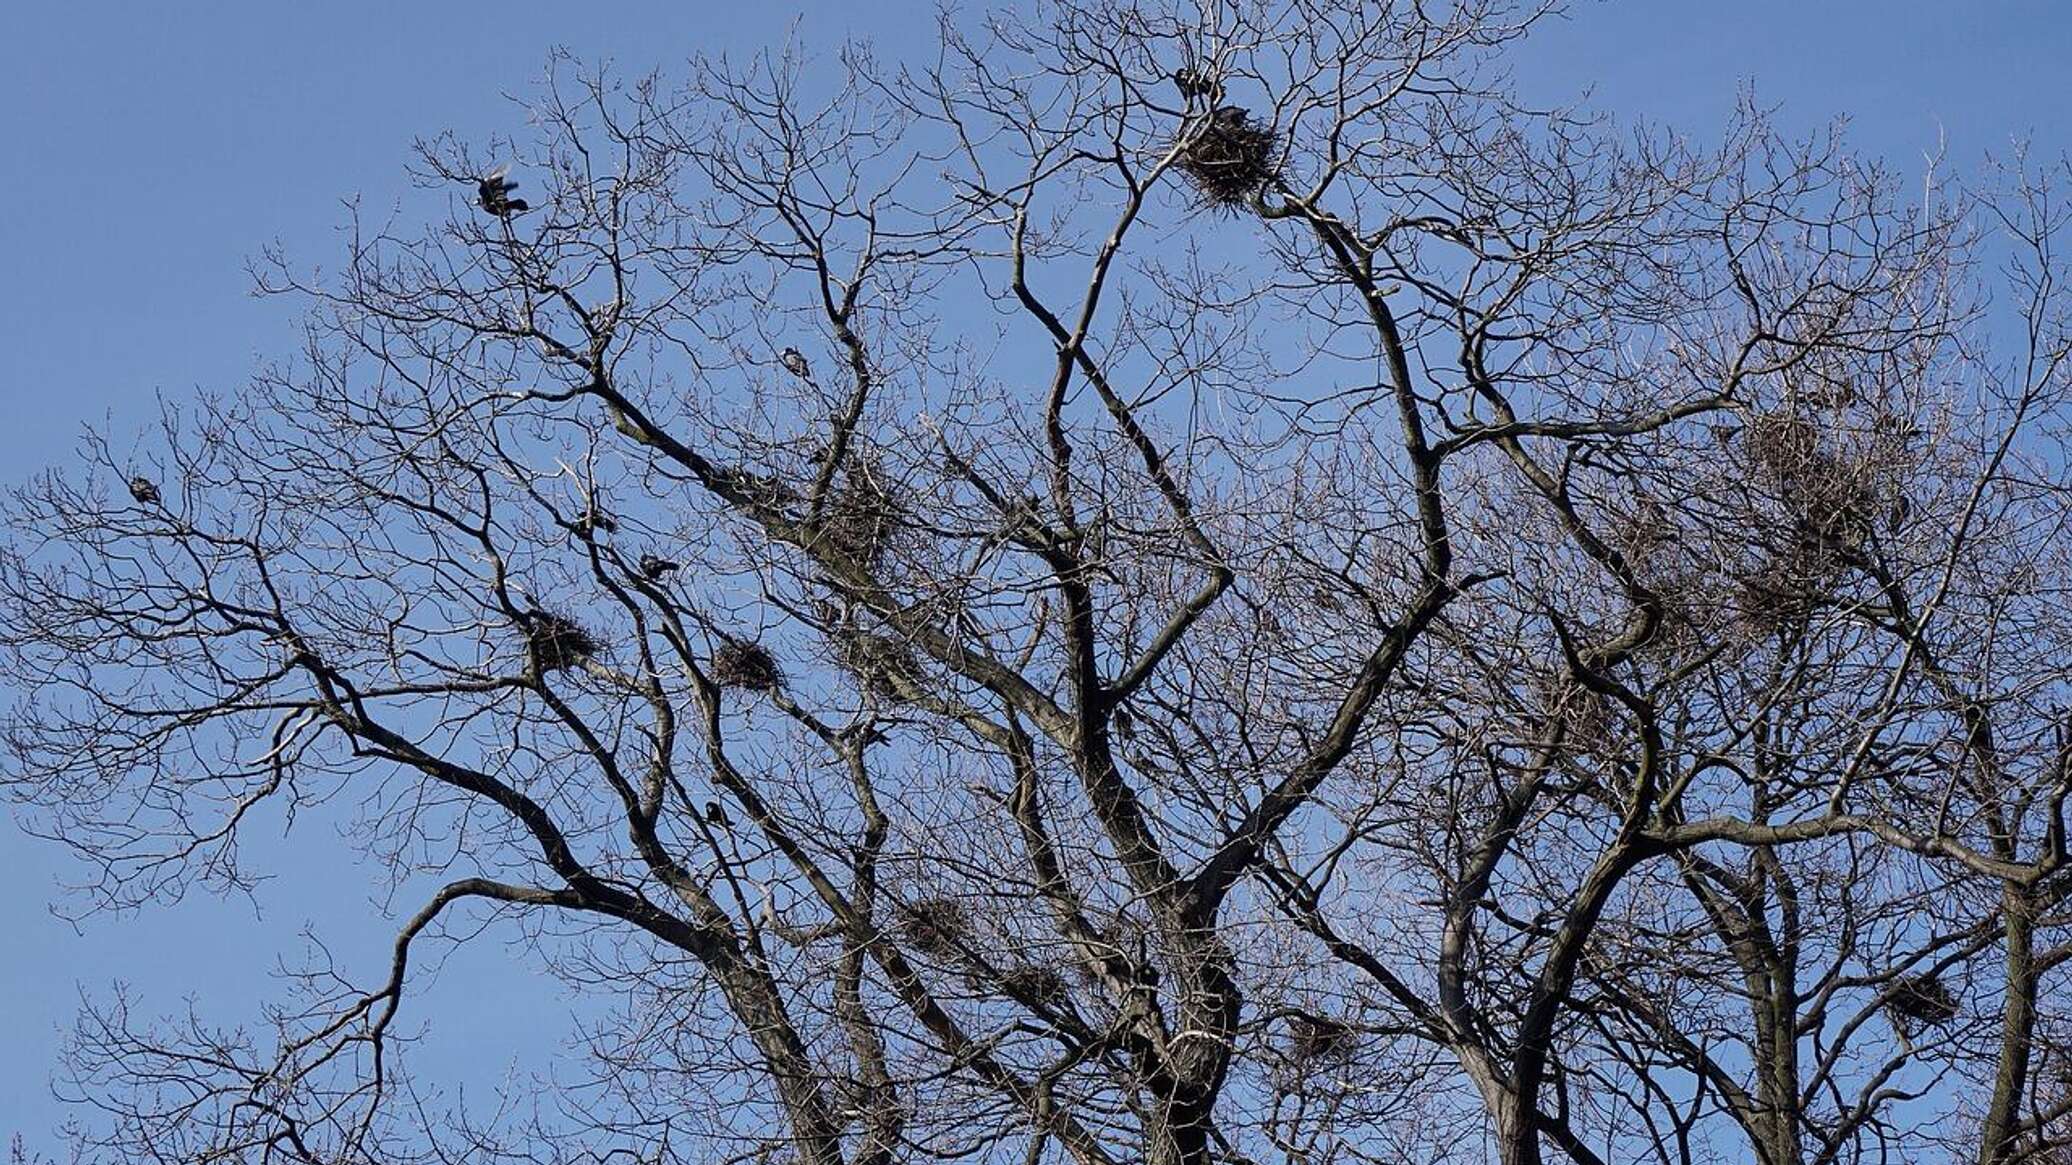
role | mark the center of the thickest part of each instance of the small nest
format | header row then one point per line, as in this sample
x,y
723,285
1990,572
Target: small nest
x,y
1317,1037
1038,984
558,642
740,664
1229,159
934,926
1922,999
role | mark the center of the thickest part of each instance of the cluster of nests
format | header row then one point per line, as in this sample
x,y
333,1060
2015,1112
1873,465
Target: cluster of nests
x,y
1229,158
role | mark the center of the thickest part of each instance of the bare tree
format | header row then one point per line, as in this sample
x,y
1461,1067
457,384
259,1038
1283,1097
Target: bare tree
x,y
1164,583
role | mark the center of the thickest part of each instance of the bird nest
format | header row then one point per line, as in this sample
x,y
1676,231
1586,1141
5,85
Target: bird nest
x,y
558,642
877,661
1922,999
860,519
1317,1037
1229,159
1829,494
1038,984
934,925
740,664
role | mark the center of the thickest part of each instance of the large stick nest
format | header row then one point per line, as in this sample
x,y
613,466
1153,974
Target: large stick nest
x,y
1229,159
1922,999
935,926
741,664
558,642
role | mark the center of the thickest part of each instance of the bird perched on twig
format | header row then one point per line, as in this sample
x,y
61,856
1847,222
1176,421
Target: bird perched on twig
x,y
794,362
596,521
494,193
716,813
654,568
1197,85
144,490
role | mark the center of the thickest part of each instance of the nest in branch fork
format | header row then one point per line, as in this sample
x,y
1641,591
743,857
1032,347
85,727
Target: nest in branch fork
x,y
558,642
860,519
934,925
1042,984
876,661
1318,1037
741,664
1229,159
1922,999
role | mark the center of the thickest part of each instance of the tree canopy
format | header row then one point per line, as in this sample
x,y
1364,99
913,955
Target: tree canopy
x,y
1154,582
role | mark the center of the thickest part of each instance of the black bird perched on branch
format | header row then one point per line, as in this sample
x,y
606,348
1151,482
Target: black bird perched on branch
x,y
142,489
1195,85
794,362
655,568
494,192
716,813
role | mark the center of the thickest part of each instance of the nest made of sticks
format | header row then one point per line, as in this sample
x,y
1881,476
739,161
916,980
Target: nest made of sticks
x,y
740,663
1040,984
876,661
860,519
934,926
1229,159
1319,1037
558,642
1922,999
1832,496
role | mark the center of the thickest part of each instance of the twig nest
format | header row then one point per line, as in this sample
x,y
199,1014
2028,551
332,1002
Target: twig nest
x,y
1229,159
1922,999
1319,1037
877,662
1037,984
934,926
741,664
860,520
558,642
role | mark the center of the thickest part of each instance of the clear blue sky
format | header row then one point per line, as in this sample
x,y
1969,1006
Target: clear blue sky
x,y
156,146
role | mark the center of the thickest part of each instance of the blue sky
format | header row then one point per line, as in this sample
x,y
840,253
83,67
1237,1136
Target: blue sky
x,y
157,147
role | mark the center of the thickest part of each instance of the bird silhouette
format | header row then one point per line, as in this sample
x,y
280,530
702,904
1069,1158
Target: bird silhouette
x,y
794,362
655,568
1194,85
716,813
494,193
142,489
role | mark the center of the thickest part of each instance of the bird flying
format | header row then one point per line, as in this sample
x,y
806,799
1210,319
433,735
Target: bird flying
x,y
494,192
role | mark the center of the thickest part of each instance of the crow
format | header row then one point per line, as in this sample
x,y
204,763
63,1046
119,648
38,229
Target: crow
x,y
655,568
142,489
1197,85
494,192
795,363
